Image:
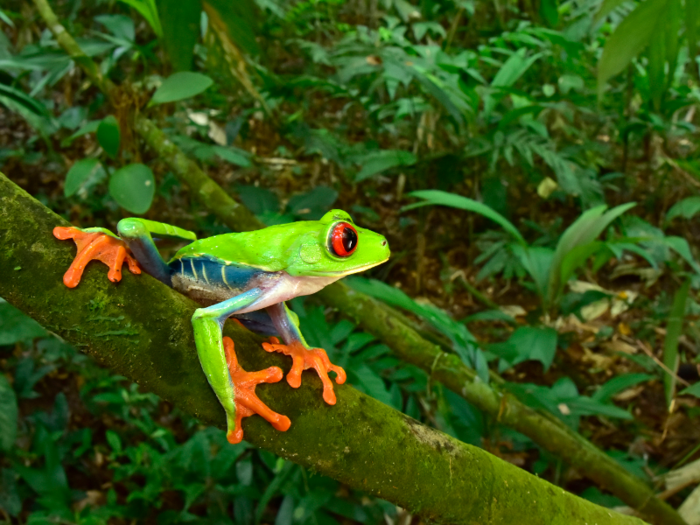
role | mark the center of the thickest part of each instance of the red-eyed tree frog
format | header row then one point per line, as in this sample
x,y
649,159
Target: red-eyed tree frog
x,y
248,276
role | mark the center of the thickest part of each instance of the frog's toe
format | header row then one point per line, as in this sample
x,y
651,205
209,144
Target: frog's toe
x,y
96,246
304,358
246,401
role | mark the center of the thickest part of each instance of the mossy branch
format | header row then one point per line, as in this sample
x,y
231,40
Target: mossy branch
x,y
360,441
548,432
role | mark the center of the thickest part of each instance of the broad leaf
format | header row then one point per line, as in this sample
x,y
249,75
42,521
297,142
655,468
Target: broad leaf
x,y
240,19
629,39
78,174
693,390
443,198
108,135
583,231
133,187
180,86
15,326
687,208
528,343
180,21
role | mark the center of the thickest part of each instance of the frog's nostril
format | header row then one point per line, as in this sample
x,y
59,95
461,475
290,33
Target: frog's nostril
x,y
384,243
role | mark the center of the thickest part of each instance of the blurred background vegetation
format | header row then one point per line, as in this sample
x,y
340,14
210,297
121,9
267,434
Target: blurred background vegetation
x,y
484,139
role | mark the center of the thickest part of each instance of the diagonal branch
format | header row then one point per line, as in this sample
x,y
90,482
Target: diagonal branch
x,y
548,432
359,441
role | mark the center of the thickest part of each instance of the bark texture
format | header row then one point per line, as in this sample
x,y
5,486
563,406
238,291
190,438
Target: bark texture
x,y
140,328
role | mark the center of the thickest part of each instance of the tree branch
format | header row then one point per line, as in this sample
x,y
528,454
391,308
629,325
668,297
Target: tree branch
x,y
547,431
359,441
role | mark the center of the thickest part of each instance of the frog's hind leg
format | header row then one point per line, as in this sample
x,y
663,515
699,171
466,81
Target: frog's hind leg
x,y
137,235
287,324
234,387
95,244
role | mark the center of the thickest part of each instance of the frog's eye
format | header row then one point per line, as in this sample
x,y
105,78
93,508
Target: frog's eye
x,y
343,239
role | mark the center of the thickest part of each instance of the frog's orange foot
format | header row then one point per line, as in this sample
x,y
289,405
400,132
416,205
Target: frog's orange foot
x,y
247,403
95,246
304,358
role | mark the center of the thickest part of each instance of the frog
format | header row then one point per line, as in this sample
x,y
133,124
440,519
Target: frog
x,y
245,276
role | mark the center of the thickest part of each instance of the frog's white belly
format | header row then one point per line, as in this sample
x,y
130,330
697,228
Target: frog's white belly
x,y
277,287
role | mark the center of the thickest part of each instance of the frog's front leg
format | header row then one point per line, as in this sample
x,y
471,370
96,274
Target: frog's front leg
x,y
234,387
287,324
95,244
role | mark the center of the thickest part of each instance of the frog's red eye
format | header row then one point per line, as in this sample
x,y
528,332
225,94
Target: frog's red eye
x,y
343,239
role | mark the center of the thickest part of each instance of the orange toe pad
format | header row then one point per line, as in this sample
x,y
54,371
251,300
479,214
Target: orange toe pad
x,y
304,358
247,402
95,246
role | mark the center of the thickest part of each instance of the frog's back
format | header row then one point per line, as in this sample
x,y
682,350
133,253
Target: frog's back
x,y
266,249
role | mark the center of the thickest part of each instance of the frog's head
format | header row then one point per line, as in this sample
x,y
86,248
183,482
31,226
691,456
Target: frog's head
x,y
335,246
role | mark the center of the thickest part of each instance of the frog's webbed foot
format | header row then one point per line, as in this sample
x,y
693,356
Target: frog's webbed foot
x,y
247,403
305,358
97,245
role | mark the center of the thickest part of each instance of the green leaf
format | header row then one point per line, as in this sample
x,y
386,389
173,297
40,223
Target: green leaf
x,y
617,384
549,12
576,258
629,39
90,127
180,21
15,326
147,9
443,198
693,390
528,343
692,15
674,329
383,160
114,442
233,155
108,135
180,86
133,187
8,414
687,208
241,21
583,231
537,260
656,66
78,174
607,7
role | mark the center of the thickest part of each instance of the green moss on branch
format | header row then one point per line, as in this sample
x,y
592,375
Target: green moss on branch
x,y
360,441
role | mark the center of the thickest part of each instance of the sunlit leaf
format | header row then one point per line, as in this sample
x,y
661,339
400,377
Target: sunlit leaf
x,y
133,187
182,85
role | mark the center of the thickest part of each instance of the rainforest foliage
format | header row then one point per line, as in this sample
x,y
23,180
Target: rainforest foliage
x,y
534,165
